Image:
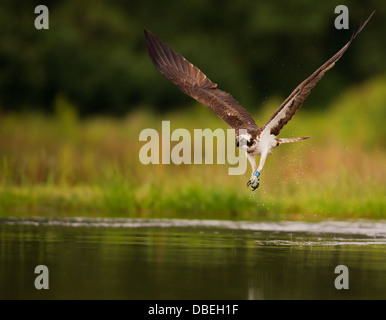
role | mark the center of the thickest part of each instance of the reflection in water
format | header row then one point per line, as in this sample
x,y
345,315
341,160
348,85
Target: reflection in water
x,y
191,259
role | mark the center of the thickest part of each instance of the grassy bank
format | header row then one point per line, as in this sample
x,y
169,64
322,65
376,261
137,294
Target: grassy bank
x,y
62,166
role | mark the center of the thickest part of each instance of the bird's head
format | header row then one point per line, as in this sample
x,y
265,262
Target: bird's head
x,y
243,141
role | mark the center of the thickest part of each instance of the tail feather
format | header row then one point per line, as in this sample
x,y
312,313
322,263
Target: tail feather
x,y
289,140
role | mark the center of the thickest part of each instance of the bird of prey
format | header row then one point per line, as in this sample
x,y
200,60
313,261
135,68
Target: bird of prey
x,y
252,139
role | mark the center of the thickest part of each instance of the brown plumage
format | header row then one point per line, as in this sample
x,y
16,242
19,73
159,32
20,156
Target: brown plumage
x,y
190,80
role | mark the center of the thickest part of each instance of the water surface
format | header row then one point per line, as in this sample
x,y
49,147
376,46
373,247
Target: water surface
x,y
191,259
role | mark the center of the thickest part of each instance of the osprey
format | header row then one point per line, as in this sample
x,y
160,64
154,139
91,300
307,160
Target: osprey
x,y
249,137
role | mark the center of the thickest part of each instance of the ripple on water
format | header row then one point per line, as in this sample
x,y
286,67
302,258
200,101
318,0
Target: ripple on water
x,y
330,233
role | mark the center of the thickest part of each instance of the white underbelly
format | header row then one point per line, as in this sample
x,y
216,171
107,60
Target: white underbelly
x,y
264,145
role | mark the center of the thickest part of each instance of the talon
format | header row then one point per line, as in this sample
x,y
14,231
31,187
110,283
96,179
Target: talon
x,y
254,182
255,187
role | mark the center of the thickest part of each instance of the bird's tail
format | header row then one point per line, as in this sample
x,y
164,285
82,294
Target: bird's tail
x,y
289,140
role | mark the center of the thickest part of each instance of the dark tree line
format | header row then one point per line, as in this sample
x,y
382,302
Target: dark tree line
x,y
94,52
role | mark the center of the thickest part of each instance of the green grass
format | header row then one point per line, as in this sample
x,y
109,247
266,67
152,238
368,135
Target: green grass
x,y
62,166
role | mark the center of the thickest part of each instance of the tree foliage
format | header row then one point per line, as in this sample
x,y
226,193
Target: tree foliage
x,y
94,54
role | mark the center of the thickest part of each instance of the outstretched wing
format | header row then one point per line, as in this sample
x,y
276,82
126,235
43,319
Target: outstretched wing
x,y
190,80
288,108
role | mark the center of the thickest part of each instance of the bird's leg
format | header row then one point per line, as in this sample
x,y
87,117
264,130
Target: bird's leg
x,y
262,161
254,181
